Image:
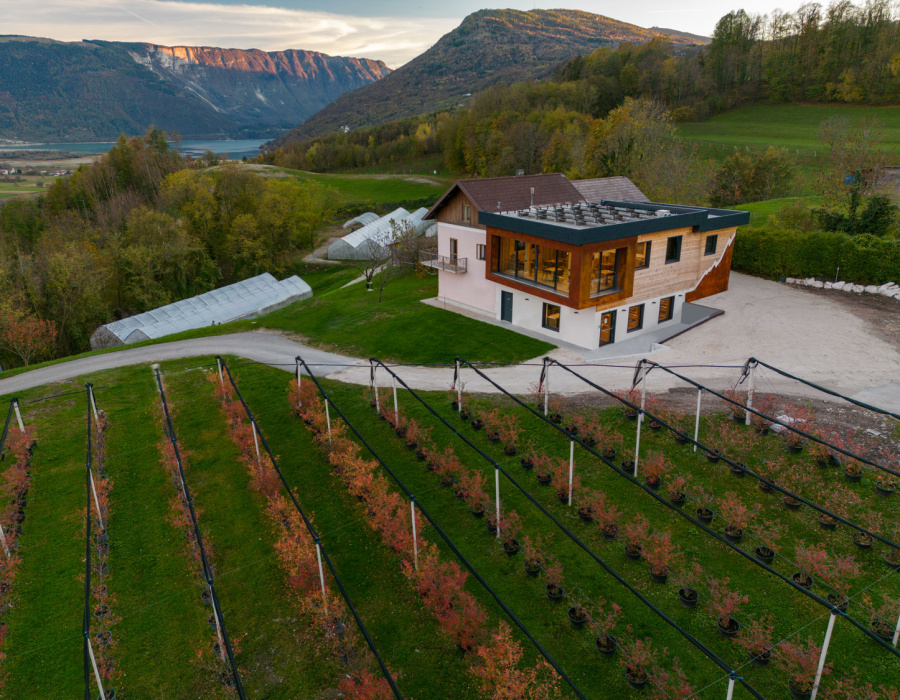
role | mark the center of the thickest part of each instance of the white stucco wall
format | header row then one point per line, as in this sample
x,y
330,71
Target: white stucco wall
x,y
470,288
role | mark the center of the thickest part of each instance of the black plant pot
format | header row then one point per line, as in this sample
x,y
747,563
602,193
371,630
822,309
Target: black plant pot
x,y
609,453
841,602
572,430
637,682
762,432
401,431
802,580
895,564
791,503
765,555
510,450
421,455
589,441
554,592
705,515
556,418
652,483
798,694
454,405
493,438
532,571
681,438
511,547
610,533
628,466
586,515
527,464
447,480
577,621
544,479
659,578
734,536
477,424
655,426
762,660
729,630
794,448
862,540
465,414
678,499
883,489
634,554
712,457
477,512
853,478
737,471
882,629
826,522
492,529
206,597
631,414
607,645
688,597
765,486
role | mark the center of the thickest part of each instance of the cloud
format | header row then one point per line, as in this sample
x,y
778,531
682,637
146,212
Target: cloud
x,y
395,40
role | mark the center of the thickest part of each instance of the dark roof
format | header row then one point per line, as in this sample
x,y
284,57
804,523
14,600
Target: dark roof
x,y
619,189
511,192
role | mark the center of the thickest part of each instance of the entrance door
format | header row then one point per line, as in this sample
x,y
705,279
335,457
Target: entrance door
x,y
607,328
506,306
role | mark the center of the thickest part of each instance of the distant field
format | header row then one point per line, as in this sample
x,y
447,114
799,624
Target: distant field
x,y
378,188
761,211
795,127
20,189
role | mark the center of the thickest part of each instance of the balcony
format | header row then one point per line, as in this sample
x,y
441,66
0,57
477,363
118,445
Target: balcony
x,y
442,262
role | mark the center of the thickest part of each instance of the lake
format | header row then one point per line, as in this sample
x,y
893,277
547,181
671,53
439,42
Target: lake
x,y
235,149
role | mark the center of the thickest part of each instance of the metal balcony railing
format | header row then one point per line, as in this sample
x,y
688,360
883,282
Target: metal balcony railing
x,y
443,262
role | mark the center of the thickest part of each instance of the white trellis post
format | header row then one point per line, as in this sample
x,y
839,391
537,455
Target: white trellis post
x,y
93,403
546,387
218,624
571,467
458,388
750,393
640,419
96,500
896,631
219,367
3,540
815,688
730,693
96,670
396,407
18,415
697,421
375,389
412,510
497,490
328,419
322,578
255,441
299,396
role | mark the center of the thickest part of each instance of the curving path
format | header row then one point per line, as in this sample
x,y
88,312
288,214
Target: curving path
x,y
803,333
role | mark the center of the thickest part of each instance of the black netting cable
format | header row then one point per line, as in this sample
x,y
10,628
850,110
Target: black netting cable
x,y
512,616
711,655
680,512
744,407
826,391
314,535
725,458
86,622
207,571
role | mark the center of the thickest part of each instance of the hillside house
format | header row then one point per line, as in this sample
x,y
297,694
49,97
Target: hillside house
x,y
590,263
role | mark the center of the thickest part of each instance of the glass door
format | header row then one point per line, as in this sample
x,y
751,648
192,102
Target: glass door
x,y
607,328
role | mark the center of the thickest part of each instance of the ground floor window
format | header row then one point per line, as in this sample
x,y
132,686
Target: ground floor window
x,y
636,318
666,309
550,317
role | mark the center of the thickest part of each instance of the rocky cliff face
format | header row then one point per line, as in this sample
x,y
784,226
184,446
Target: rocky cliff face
x,y
258,87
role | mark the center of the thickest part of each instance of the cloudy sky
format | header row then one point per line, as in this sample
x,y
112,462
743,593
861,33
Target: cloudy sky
x,y
391,30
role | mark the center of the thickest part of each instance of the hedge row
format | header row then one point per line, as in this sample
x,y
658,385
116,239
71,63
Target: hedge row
x,y
863,259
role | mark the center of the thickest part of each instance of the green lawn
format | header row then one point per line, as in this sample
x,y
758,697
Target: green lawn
x,y
357,189
761,211
795,127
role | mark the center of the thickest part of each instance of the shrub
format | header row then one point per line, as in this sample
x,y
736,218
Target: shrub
x,y
560,472
800,662
655,466
737,515
500,678
635,532
637,655
756,637
660,551
724,602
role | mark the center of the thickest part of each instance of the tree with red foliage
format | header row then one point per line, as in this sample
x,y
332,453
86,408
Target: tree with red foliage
x,y
724,603
27,336
366,686
501,678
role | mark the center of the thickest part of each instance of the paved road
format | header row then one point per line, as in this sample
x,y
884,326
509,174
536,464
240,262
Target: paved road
x,y
269,348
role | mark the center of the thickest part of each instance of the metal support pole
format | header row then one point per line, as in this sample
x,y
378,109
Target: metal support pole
x,y
822,656
328,419
750,394
322,578
697,422
96,670
299,400
5,547
396,407
375,389
896,631
255,441
18,415
571,467
730,693
219,366
458,389
412,510
93,403
218,625
497,489
546,387
640,421
96,500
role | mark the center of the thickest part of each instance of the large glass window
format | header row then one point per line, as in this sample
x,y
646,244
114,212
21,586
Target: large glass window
x,y
550,317
607,268
636,318
541,265
666,307
642,255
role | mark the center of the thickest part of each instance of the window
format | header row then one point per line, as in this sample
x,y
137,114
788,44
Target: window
x,y
711,243
636,318
479,251
673,249
551,317
454,249
467,212
607,271
642,255
666,307
528,262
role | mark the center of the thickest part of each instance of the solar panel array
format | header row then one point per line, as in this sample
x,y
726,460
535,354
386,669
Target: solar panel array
x,y
589,214
239,300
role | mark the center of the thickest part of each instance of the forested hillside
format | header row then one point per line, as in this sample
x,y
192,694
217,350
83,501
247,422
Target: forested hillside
x,y
489,47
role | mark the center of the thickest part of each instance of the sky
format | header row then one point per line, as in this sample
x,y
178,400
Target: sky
x,y
394,31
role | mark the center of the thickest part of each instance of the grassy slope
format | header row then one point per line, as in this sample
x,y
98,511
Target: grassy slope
x,y
761,211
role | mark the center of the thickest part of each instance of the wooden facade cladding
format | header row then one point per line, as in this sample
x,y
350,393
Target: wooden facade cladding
x,y
579,296
453,212
716,279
